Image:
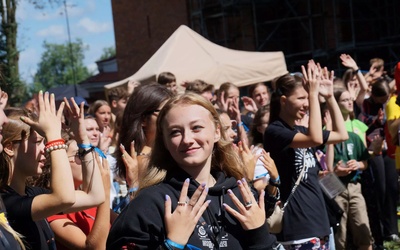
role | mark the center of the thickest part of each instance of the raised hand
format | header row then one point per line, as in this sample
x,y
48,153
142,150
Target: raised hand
x,y
249,104
251,214
131,165
223,103
249,159
326,83
311,77
348,62
180,224
269,164
49,123
76,116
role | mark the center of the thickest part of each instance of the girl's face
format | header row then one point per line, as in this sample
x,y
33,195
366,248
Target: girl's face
x,y
296,104
227,126
92,131
353,83
264,123
75,162
29,155
232,94
261,96
103,116
345,103
189,135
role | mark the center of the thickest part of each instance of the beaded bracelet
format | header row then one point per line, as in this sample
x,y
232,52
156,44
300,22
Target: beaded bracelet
x,y
52,147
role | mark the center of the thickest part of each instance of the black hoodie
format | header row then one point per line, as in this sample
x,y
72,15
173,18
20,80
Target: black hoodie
x,y
141,223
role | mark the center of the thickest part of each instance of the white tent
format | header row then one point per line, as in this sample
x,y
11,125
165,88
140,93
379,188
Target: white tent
x,y
190,56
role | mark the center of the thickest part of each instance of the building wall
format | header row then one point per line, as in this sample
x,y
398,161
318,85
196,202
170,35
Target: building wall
x,y
141,27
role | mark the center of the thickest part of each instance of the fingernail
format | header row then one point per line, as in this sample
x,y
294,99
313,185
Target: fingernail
x,y
122,146
166,197
208,201
22,118
239,182
133,142
230,191
203,185
206,189
243,180
187,180
224,204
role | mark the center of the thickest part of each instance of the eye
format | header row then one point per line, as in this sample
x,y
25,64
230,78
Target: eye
x,y
197,128
174,132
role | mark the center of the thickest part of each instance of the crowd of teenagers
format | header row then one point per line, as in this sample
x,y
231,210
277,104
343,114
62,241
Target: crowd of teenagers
x,y
163,165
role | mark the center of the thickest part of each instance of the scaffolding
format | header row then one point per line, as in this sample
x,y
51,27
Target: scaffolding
x,y
304,29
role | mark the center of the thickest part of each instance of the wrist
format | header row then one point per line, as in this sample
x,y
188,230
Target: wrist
x,y
172,245
52,137
275,181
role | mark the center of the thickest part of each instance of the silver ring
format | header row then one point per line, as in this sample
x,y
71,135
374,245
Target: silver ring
x,y
182,203
248,204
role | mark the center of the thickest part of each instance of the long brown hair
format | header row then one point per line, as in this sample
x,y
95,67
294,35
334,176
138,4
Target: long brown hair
x,y
15,130
224,157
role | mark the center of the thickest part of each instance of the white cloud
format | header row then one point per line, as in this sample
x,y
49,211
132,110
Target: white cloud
x,y
28,61
94,27
53,30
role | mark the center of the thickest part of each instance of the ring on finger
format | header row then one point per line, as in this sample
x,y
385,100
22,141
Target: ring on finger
x,y
248,204
180,203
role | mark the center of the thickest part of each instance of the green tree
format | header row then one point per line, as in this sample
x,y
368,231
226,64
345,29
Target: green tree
x,y
61,64
9,54
107,52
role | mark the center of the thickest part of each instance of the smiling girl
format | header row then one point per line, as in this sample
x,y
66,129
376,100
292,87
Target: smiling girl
x,y
203,202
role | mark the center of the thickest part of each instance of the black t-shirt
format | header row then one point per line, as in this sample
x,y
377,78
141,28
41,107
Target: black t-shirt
x,y
7,240
305,215
37,234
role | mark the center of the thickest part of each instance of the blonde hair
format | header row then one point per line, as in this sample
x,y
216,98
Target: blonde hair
x,y
224,157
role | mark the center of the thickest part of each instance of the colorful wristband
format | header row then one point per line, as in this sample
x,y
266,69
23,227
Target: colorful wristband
x,y
173,245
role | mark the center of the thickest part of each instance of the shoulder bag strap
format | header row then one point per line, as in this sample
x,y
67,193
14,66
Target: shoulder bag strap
x,y
298,179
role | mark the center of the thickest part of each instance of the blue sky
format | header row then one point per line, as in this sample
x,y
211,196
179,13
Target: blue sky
x,y
89,20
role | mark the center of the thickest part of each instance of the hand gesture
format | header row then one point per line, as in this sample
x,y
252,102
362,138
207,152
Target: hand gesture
x,y
3,99
49,123
341,169
131,164
180,224
326,83
353,165
76,116
105,139
249,104
251,214
105,173
311,77
249,159
234,110
348,62
223,103
269,164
